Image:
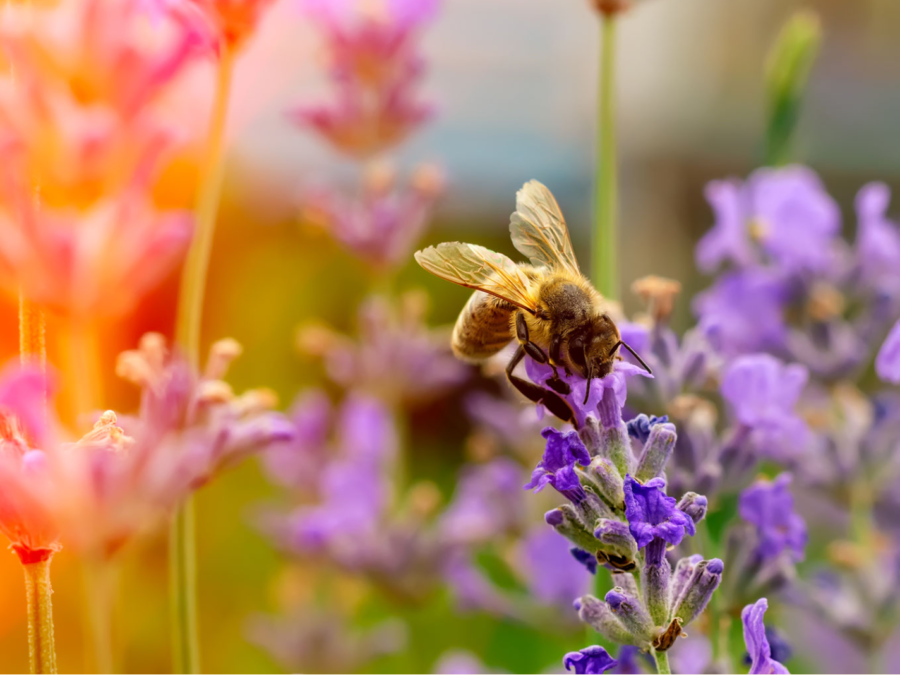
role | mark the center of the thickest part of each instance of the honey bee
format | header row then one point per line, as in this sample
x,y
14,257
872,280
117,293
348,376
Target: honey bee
x,y
548,306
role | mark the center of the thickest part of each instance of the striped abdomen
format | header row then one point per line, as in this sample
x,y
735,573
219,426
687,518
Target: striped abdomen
x,y
483,328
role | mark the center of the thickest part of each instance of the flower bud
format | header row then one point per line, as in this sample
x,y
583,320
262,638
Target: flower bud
x,y
633,615
607,481
683,571
693,505
592,508
655,583
568,523
698,590
599,616
657,451
615,539
590,435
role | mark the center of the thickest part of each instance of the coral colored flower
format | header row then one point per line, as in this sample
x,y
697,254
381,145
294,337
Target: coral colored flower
x,y
83,141
216,24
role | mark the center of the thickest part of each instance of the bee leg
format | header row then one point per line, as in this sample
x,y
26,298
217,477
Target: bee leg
x,y
537,394
556,383
531,348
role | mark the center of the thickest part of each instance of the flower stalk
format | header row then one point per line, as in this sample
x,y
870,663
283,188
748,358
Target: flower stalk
x,y
182,564
605,259
41,647
662,662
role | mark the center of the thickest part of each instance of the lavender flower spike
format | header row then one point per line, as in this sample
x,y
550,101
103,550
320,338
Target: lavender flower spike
x,y
757,643
651,514
633,615
887,363
557,467
590,660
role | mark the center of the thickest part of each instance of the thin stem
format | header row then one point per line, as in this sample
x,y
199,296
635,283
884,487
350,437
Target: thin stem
x,y
662,662
32,332
605,260
861,512
182,556
41,647
99,583
193,280
83,368
183,588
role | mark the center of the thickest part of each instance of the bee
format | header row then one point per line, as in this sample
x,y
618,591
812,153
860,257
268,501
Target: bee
x,y
548,306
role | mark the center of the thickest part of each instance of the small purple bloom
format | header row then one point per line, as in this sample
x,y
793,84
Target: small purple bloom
x,y
763,393
590,660
728,240
756,641
651,514
743,312
887,363
639,427
769,506
877,239
486,504
557,467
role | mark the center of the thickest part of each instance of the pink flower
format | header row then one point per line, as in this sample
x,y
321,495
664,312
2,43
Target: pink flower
x,y
83,141
375,65
384,224
217,23
110,486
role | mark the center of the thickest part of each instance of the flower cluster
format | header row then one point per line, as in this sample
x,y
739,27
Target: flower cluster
x,y
118,481
84,141
375,66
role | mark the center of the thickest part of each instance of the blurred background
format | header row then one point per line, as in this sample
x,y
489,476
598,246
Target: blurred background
x,y
514,82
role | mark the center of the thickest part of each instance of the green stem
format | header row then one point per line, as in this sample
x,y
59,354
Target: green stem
x,y
99,583
861,512
662,662
193,279
183,587
182,556
605,260
41,647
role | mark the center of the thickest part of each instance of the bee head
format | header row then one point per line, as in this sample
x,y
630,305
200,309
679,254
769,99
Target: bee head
x,y
593,350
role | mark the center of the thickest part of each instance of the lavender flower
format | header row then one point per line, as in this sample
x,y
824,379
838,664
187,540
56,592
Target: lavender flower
x,y
887,363
486,505
762,393
552,574
877,239
557,467
786,211
590,660
770,507
651,514
756,641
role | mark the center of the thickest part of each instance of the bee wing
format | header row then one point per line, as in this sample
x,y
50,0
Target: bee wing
x,y
479,268
538,229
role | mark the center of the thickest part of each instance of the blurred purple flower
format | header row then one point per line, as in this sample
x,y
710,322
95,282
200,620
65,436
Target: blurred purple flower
x,y
651,514
743,312
298,462
763,393
383,225
488,502
552,574
459,662
887,363
756,641
786,210
557,467
769,506
375,67
590,660
877,239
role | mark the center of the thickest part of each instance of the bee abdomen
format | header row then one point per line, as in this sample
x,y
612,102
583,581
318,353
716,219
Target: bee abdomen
x,y
483,327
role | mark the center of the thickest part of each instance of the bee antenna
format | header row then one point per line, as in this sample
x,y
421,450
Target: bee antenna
x,y
633,353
